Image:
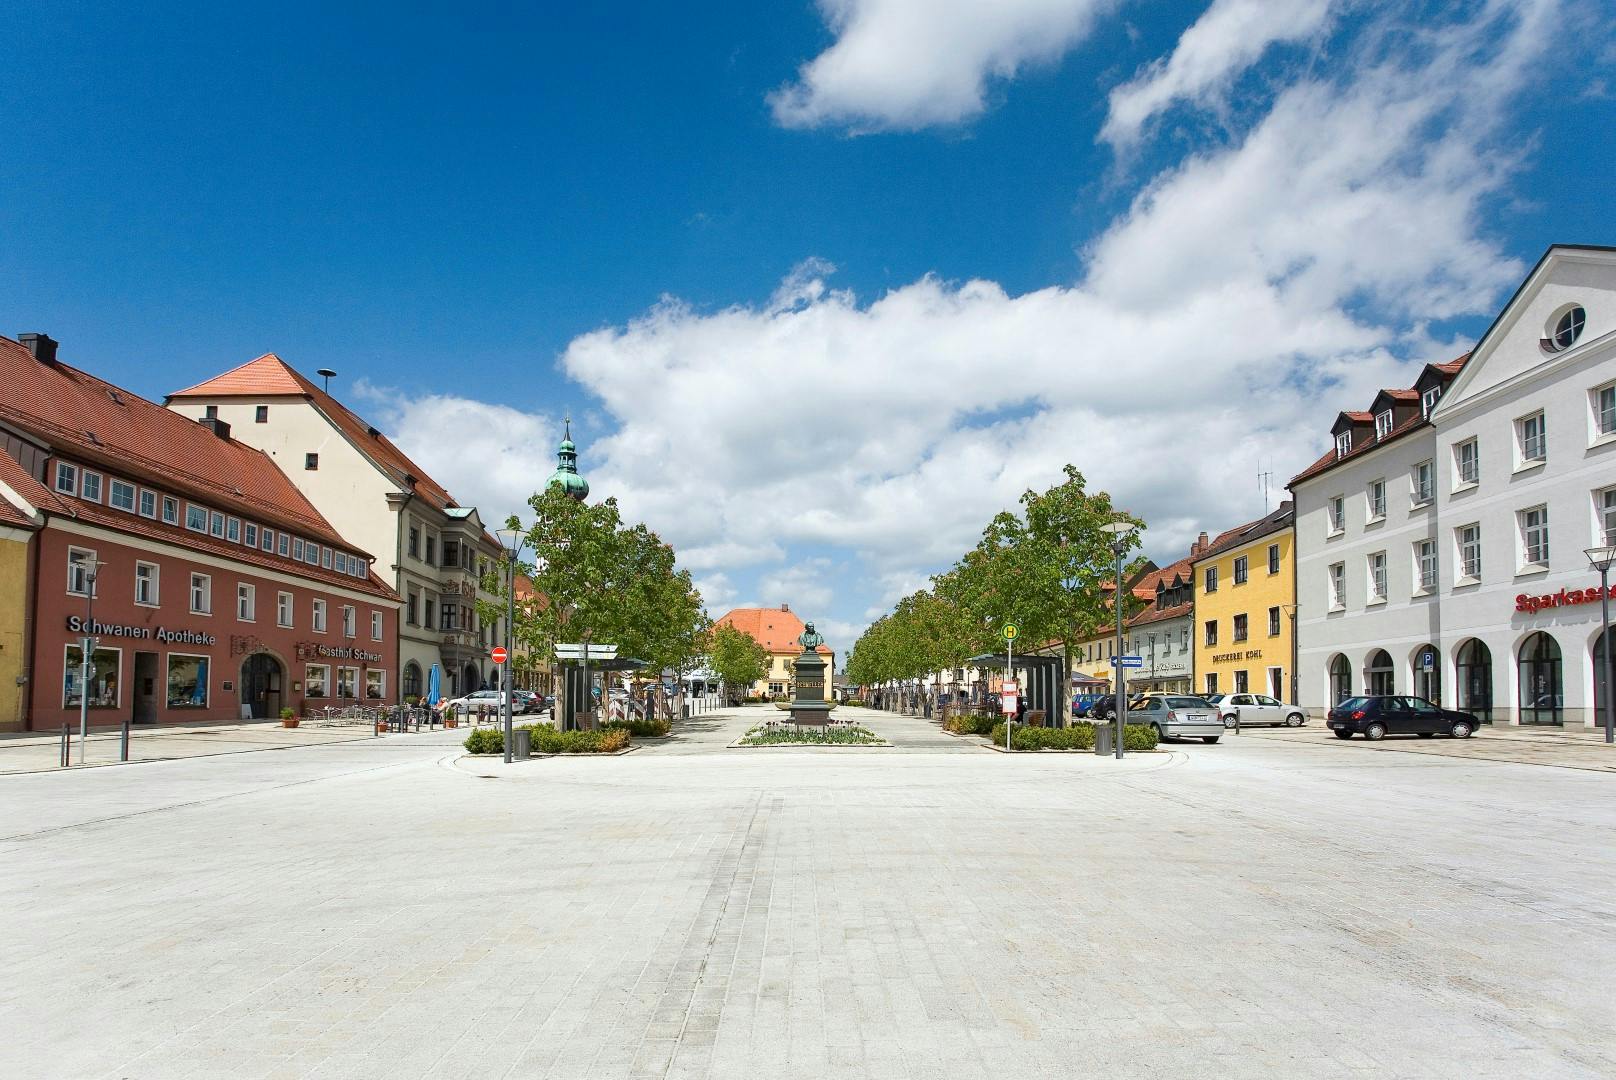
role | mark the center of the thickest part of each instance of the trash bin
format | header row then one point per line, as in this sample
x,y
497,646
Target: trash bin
x,y
521,743
684,711
1104,739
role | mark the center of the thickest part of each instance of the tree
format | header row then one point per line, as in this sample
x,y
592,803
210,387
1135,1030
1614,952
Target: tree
x,y
736,657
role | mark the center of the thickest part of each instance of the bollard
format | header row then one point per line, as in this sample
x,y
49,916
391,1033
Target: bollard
x,y
123,745
66,742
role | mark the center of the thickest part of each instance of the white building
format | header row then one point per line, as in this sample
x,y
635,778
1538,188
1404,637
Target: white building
x,y
1441,542
431,549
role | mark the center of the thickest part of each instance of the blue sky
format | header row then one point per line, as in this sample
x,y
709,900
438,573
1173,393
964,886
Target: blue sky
x,y
823,287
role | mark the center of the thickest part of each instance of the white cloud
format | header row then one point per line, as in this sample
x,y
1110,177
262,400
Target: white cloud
x,y
802,585
1226,40
903,64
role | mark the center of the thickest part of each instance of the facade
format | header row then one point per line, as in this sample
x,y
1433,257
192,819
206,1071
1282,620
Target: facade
x,y
213,588
1497,477
777,630
1245,601
1092,653
434,552
18,525
1161,634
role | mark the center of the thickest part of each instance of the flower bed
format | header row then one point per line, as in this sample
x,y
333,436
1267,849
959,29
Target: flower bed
x,y
828,736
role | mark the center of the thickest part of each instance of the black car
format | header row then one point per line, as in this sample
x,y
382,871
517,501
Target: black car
x,y
1104,707
1377,716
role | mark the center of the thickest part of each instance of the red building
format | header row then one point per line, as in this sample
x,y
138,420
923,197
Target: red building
x,y
214,589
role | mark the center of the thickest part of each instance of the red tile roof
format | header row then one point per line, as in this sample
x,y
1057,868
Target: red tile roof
x,y
775,629
1152,615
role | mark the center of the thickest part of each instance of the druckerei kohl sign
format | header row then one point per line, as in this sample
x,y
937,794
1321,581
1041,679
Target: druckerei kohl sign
x,y
1563,598
96,628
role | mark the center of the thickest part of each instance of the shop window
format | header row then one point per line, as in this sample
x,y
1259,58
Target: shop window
x,y
103,681
317,681
375,685
1211,682
1542,691
347,682
187,681
1340,679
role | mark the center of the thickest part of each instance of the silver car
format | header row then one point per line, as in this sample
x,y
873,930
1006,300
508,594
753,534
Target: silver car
x,y
1176,716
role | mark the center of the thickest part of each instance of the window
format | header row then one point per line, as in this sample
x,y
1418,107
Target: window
x,y
90,486
148,504
450,614
232,530
103,680
249,535
1529,435
201,594
261,414
412,679
1343,444
211,412
432,551
415,542
81,568
268,537
1383,424
1564,329
311,462
350,623
430,605
121,495
451,552
319,616
297,548
1242,684
410,609
1377,499
1241,570
215,524
187,681
67,478
375,626
1273,558
196,518
285,545
1465,462
246,602
283,609
375,685
1211,682
1605,410
325,557
1211,579
1425,564
146,582
1338,586
1184,640
1210,636
1607,515
1240,627
171,510
1535,536
1428,401
1424,483
316,680
311,553
1273,622
1377,577
347,682
1338,513
1469,538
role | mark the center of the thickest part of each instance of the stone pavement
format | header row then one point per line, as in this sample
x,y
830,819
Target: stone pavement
x,y
1566,749
33,752
1261,908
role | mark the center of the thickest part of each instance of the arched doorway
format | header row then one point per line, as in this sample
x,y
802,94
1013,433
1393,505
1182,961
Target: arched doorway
x,y
1602,645
260,685
412,686
473,681
1379,675
1427,665
1542,691
1475,674
1340,679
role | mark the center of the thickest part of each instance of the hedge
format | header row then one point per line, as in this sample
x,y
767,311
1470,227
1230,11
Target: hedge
x,y
645,729
547,740
1079,736
972,724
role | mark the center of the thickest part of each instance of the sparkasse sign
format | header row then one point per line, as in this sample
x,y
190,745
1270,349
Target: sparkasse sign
x,y
1563,598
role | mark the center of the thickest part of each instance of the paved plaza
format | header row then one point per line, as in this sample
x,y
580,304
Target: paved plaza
x,y
1283,906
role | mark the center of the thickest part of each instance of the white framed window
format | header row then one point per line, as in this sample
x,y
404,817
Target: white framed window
x,y
1383,424
1377,577
232,530
1343,444
148,504
267,535
317,680
285,547
347,682
90,486
249,534
1338,586
67,478
1466,462
1376,497
1564,328
297,548
201,594
246,602
1468,539
1242,570
121,495
1338,513
375,684
325,557
1604,403
375,626
350,621
80,571
283,609
196,518
1531,439
1534,537
171,510
311,554
147,580
1605,524
319,617
1424,482
1428,401
216,524
1425,564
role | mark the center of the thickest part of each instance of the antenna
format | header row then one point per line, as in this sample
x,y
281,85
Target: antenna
x,y
327,374
1265,480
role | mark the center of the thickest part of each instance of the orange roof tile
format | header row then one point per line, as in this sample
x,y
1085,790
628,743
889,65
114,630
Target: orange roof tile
x,y
777,630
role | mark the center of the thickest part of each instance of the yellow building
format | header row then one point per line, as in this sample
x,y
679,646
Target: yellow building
x,y
1245,603
17,529
777,630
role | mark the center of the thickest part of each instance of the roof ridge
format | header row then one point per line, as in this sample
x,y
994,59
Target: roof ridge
x,y
232,371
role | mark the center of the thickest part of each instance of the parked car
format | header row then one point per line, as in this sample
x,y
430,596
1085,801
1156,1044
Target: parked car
x,y
1176,716
529,701
1377,716
1254,709
1082,703
479,699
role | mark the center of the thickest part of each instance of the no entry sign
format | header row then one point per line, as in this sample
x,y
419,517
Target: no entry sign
x,y
500,654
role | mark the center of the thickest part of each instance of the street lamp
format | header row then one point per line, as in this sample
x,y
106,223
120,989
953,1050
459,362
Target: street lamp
x,y
1602,558
1290,613
87,644
1118,531
511,539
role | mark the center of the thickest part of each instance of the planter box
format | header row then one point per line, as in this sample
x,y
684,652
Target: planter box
x,y
293,722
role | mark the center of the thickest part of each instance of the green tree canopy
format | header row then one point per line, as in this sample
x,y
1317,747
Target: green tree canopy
x,y
736,657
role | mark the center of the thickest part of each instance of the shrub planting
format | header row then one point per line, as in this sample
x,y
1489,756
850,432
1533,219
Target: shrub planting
x,y
547,740
485,741
1080,736
641,728
971,724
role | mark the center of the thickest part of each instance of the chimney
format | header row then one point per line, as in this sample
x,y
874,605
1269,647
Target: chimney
x,y
1199,545
785,607
39,346
217,426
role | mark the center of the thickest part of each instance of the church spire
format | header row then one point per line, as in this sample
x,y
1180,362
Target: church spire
x,y
566,474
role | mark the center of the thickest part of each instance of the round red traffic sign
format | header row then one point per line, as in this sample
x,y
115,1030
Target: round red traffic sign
x,y
500,654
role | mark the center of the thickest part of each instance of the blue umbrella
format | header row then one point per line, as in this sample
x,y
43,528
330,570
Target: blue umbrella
x,y
434,683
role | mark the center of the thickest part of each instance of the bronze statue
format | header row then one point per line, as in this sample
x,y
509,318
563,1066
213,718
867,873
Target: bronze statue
x,y
810,640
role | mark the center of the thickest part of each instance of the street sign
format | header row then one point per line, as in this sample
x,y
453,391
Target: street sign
x,y
1127,661
1010,686
1427,661
1007,704
499,654
578,650
1010,631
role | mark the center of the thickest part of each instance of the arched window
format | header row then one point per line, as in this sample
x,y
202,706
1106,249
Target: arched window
x,y
474,680
1542,692
1379,675
1475,674
412,679
1602,645
1340,679
1428,680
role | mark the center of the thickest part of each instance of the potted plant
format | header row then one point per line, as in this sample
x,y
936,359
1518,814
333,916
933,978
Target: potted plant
x,y
288,718
451,717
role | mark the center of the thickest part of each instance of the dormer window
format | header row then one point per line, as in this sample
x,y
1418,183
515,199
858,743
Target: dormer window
x,y
1343,444
1428,401
1383,425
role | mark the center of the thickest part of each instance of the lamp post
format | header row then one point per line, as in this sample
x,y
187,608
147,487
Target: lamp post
x,y
92,566
1290,613
1602,558
1118,530
510,538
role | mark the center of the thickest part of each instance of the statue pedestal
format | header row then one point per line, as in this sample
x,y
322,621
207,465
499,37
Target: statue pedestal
x,y
808,705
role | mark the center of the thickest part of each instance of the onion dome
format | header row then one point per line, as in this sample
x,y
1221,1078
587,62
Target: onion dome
x,y
566,475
